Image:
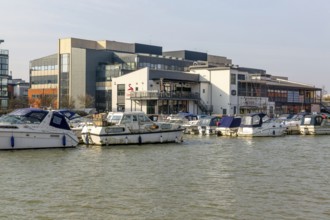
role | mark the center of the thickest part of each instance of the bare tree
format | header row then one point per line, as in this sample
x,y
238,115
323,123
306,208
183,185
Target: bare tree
x,y
86,101
18,102
47,100
67,102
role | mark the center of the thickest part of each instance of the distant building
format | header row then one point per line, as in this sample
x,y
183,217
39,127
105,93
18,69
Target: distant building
x,y
44,84
17,88
17,93
4,62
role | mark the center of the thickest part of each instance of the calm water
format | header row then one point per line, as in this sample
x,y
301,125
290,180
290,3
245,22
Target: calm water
x,y
202,178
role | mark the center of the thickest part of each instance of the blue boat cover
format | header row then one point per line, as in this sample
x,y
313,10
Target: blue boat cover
x,y
230,122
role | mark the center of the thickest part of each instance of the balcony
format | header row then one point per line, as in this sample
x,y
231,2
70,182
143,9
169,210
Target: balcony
x,y
155,95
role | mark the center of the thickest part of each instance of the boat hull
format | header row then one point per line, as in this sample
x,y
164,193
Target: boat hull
x,y
222,131
260,132
34,140
314,130
132,138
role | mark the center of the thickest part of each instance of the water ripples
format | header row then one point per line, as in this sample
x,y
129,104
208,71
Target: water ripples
x,y
202,178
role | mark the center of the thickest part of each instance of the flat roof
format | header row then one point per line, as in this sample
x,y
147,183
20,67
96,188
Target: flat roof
x,y
281,84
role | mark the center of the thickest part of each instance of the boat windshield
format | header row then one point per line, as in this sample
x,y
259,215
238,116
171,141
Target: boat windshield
x,y
266,119
115,119
205,121
34,118
250,120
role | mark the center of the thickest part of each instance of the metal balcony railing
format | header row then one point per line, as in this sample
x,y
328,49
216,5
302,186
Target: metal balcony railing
x,y
164,95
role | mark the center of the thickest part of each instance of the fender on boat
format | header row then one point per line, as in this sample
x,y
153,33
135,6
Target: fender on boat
x,y
12,141
64,140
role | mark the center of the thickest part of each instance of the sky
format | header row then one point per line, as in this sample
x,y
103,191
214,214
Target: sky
x,y
284,37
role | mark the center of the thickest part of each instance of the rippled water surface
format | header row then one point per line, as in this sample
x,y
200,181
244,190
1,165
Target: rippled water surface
x,y
202,178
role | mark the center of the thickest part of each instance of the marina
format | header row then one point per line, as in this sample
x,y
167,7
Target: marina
x,y
228,118
204,177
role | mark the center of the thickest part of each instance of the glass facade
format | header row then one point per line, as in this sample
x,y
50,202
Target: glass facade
x,y
286,99
44,72
64,77
4,62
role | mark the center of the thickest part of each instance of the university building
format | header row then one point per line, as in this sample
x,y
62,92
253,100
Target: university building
x,y
131,76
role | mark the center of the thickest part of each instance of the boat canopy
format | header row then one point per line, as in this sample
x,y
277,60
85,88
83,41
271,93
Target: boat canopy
x,y
230,122
209,121
69,114
312,120
25,116
59,121
254,120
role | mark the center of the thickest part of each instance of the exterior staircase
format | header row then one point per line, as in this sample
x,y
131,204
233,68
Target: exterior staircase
x,y
206,109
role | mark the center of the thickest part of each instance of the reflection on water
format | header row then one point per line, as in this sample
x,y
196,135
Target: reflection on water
x,y
202,178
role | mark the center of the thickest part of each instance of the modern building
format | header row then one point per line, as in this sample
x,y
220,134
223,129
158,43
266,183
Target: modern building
x,y
4,74
44,84
85,68
17,93
130,76
218,90
18,88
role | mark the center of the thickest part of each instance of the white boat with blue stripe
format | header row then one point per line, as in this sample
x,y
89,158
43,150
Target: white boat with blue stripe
x,y
31,128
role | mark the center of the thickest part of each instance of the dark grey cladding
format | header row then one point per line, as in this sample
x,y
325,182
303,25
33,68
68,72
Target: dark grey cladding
x,y
173,76
187,55
134,48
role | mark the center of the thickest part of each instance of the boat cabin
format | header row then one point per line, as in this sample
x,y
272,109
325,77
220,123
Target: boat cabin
x,y
254,120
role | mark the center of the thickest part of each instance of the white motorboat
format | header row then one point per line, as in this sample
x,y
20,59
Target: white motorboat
x,y
35,128
130,128
260,125
315,125
208,125
228,126
188,121
293,124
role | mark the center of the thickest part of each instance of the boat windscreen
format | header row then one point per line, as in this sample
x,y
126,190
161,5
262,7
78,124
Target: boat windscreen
x,y
27,118
115,119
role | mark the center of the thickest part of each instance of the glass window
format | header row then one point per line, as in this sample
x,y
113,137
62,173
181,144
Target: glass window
x,y
121,89
241,77
233,79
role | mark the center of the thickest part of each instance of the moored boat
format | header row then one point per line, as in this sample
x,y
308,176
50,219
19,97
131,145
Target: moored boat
x,y
130,128
316,124
293,124
188,121
208,125
228,126
35,128
260,125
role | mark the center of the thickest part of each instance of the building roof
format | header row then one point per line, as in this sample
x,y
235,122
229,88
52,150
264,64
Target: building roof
x,y
282,83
